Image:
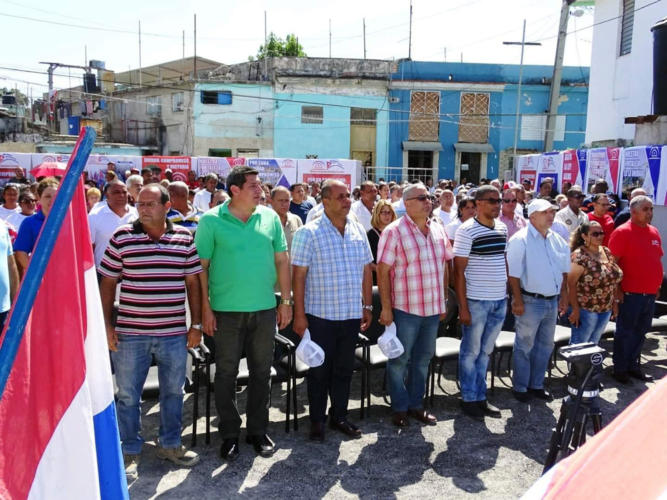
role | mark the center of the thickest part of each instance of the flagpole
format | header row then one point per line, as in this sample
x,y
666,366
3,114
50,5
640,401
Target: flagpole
x,y
42,253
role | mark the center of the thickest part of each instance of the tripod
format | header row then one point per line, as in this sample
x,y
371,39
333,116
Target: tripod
x,y
570,432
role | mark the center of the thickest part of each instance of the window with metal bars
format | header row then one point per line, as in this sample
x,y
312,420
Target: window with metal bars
x,y
474,118
312,114
627,22
424,116
362,116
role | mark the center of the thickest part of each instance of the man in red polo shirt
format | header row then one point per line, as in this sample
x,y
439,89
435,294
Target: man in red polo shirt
x,y
599,214
637,247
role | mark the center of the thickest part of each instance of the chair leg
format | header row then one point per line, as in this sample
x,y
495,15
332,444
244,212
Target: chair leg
x,y
195,404
208,402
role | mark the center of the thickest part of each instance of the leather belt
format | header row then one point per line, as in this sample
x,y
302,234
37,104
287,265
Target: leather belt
x,y
538,295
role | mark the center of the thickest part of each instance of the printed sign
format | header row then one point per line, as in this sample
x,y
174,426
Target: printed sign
x,y
179,165
9,162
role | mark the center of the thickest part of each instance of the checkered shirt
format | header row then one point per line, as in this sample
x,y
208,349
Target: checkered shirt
x,y
335,267
417,266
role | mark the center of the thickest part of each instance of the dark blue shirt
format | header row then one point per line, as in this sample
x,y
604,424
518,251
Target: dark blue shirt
x,y
28,232
301,210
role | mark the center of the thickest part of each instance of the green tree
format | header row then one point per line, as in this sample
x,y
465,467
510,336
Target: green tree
x,y
277,47
21,98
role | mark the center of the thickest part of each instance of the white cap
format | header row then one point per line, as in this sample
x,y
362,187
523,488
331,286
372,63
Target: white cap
x,y
539,205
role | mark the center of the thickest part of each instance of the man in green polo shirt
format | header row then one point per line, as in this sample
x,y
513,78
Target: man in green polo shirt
x,y
243,251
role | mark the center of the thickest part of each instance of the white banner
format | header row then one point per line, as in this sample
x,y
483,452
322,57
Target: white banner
x,y
316,170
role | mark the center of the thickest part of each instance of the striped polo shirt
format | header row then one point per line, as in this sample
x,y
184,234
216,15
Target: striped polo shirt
x,y
152,274
484,247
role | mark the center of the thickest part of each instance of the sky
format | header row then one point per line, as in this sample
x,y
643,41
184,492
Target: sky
x,y
229,31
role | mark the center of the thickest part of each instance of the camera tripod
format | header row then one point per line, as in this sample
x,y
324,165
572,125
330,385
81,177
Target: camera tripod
x,y
578,409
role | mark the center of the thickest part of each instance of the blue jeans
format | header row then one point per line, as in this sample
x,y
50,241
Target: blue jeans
x,y
591,326
131,363
477,344
407,373
534,342
635,315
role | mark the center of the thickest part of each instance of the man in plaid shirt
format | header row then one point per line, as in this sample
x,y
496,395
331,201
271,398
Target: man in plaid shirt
x,y
332,286
412,278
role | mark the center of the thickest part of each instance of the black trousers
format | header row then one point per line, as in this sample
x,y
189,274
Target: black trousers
x,y
254,333
332,379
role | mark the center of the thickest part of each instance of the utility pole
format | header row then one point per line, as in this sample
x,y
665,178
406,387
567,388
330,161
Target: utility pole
x,y
85,55
410,34
364,22
140,53
195,60
523,43
554,92
183,44
329,38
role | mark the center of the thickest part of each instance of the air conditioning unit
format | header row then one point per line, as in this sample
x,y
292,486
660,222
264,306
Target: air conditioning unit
x,y
394,100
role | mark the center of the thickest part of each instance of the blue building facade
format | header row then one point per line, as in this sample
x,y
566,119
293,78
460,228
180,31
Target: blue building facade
x,y
457,120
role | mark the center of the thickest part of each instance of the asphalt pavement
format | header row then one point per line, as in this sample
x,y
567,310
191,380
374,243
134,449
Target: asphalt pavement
x,y
457,458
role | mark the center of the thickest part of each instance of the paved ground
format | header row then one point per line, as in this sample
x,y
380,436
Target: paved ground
x,y
459,457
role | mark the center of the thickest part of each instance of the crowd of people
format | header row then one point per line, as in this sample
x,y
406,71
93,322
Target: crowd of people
x,y
222,249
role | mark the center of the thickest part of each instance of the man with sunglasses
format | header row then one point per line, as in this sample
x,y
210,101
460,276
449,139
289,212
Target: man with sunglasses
x,y
572,216
508,214
412,279
480,279
27,204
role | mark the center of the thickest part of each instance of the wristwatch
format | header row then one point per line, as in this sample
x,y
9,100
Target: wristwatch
x,y
367,308
286,302
196,327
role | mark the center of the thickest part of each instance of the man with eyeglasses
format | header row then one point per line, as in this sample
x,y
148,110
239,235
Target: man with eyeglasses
x,y
508,214
412,280
157,260
480,279
27,203
599,214
572,216
538,261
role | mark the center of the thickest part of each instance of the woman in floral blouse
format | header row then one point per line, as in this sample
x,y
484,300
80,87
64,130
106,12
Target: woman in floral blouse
x,y
592,282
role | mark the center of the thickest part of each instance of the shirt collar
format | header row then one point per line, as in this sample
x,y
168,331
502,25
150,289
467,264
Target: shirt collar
x,y
414,225
138,227
535,233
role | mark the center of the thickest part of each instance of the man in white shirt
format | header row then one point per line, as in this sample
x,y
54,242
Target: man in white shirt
x,y
11,195
363,208
447,209
202,199
115,213
572,216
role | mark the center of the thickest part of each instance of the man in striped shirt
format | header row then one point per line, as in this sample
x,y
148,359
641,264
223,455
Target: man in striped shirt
x,y
480,279
157,264
412,279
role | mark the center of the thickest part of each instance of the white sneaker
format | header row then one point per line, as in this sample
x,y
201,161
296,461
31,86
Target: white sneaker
x,y
180,456
131,463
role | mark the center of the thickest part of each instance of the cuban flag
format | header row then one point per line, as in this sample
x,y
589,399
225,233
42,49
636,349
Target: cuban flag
x,y
58,431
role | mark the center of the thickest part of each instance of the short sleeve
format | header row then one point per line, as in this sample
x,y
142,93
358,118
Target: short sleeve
x,y
204,237
516,254
112,262
8,240
616,243
369,254
302,247
387,246
192,264
462,242
25,239
279,241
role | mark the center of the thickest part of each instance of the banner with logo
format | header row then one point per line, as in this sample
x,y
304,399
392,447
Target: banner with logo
x,y
572,168
98,164
179,165
275,171
526,169
316,170
205,165
602,163
9,162
550,165
661,194
39,158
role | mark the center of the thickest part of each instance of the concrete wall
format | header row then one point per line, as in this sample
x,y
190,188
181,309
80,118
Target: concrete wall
x,y
246,123
620,86
331,138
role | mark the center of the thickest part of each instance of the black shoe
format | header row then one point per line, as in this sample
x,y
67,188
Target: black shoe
x,y
263,445
229,450
489,409
472,409
347,428
524,397
621,377
316,432
541,394
639,375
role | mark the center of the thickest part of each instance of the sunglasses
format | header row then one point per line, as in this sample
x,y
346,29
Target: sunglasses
x,y
596,234
421,197
29,200
509,201
492,201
